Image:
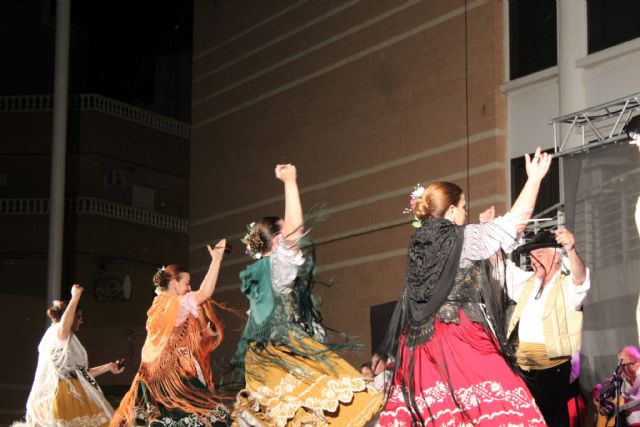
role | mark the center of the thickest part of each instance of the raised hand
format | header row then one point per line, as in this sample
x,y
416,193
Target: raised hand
x,y
76,292
565,238
538,166
217,251
286,173
114,368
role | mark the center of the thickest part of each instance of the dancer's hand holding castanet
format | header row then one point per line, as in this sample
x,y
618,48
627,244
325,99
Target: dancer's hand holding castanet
x,y
218,250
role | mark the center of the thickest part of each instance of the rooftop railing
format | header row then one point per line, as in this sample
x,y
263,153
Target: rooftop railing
x,y
94,102
99,207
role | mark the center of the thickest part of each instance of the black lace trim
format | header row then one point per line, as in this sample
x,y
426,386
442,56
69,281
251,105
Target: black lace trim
x,y
463,295
85,374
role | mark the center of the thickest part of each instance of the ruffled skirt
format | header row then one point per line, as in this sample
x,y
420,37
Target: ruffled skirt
x,y
298,390
465,359
145,410
72,406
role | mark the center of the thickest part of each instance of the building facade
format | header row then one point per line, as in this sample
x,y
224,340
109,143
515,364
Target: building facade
x,y
594,58
127,174
367,99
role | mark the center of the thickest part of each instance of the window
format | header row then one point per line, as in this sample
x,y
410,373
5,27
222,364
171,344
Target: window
x,y
532,36
611,22
116,179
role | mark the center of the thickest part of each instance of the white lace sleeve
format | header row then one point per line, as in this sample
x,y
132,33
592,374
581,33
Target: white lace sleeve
x,y
284,268
483,240
188,305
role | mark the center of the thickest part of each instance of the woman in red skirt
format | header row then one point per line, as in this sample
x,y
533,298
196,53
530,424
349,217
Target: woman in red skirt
x,y
453,366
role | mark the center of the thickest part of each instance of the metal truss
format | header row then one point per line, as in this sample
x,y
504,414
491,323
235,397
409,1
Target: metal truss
x,y
595,126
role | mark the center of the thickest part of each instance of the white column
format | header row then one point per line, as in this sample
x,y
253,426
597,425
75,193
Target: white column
x,y
58,149
572,45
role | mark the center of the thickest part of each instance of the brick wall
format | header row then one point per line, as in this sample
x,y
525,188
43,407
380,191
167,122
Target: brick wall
x,y
366,98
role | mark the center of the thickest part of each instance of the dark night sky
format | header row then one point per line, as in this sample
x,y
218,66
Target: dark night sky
x,y
114,46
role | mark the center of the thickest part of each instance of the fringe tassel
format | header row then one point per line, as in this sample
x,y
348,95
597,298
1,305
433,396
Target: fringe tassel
x,y
167,378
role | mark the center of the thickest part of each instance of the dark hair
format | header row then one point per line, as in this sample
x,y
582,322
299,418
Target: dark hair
x,y
263,233
366,365
167,274
56,310
436,199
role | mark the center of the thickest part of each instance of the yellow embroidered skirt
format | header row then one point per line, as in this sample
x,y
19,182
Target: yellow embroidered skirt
x,y
302,390
73,407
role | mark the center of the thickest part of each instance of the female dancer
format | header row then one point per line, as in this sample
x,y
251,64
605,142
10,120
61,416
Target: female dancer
x,y
291,378
64,390
174,385
447,332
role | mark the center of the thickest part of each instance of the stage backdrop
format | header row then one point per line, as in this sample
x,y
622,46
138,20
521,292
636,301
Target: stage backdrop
x,y
601,189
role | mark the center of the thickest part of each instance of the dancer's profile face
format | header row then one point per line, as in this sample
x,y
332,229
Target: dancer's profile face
x,y
183,285
459,211
77,321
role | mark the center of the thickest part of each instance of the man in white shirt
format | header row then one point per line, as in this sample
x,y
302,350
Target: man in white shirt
x,y
629,387
547,320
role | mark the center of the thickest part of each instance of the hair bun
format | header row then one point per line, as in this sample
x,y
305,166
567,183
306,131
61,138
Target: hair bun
x,y
56,310
421,209
166,274
160,277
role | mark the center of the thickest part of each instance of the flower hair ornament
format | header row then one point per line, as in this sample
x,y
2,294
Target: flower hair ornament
x,y
248,238
160,273
417,192
157,280
58,303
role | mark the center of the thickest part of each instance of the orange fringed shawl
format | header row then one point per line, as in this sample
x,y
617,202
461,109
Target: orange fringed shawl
x,y
168,357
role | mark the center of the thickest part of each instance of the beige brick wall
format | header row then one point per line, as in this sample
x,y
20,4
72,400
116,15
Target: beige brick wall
x,y
366,98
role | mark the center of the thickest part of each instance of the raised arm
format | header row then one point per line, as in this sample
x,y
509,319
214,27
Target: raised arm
x,y
536,170
69,314
576,265
293,220
208,284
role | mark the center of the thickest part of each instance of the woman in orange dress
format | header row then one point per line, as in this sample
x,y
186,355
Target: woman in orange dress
x,y
174,384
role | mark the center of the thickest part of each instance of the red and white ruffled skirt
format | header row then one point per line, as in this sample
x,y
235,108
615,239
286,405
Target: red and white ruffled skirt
x,y
466,357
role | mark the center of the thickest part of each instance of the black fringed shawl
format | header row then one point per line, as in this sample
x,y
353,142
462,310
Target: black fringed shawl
x,y
433,259
432,263
432,266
